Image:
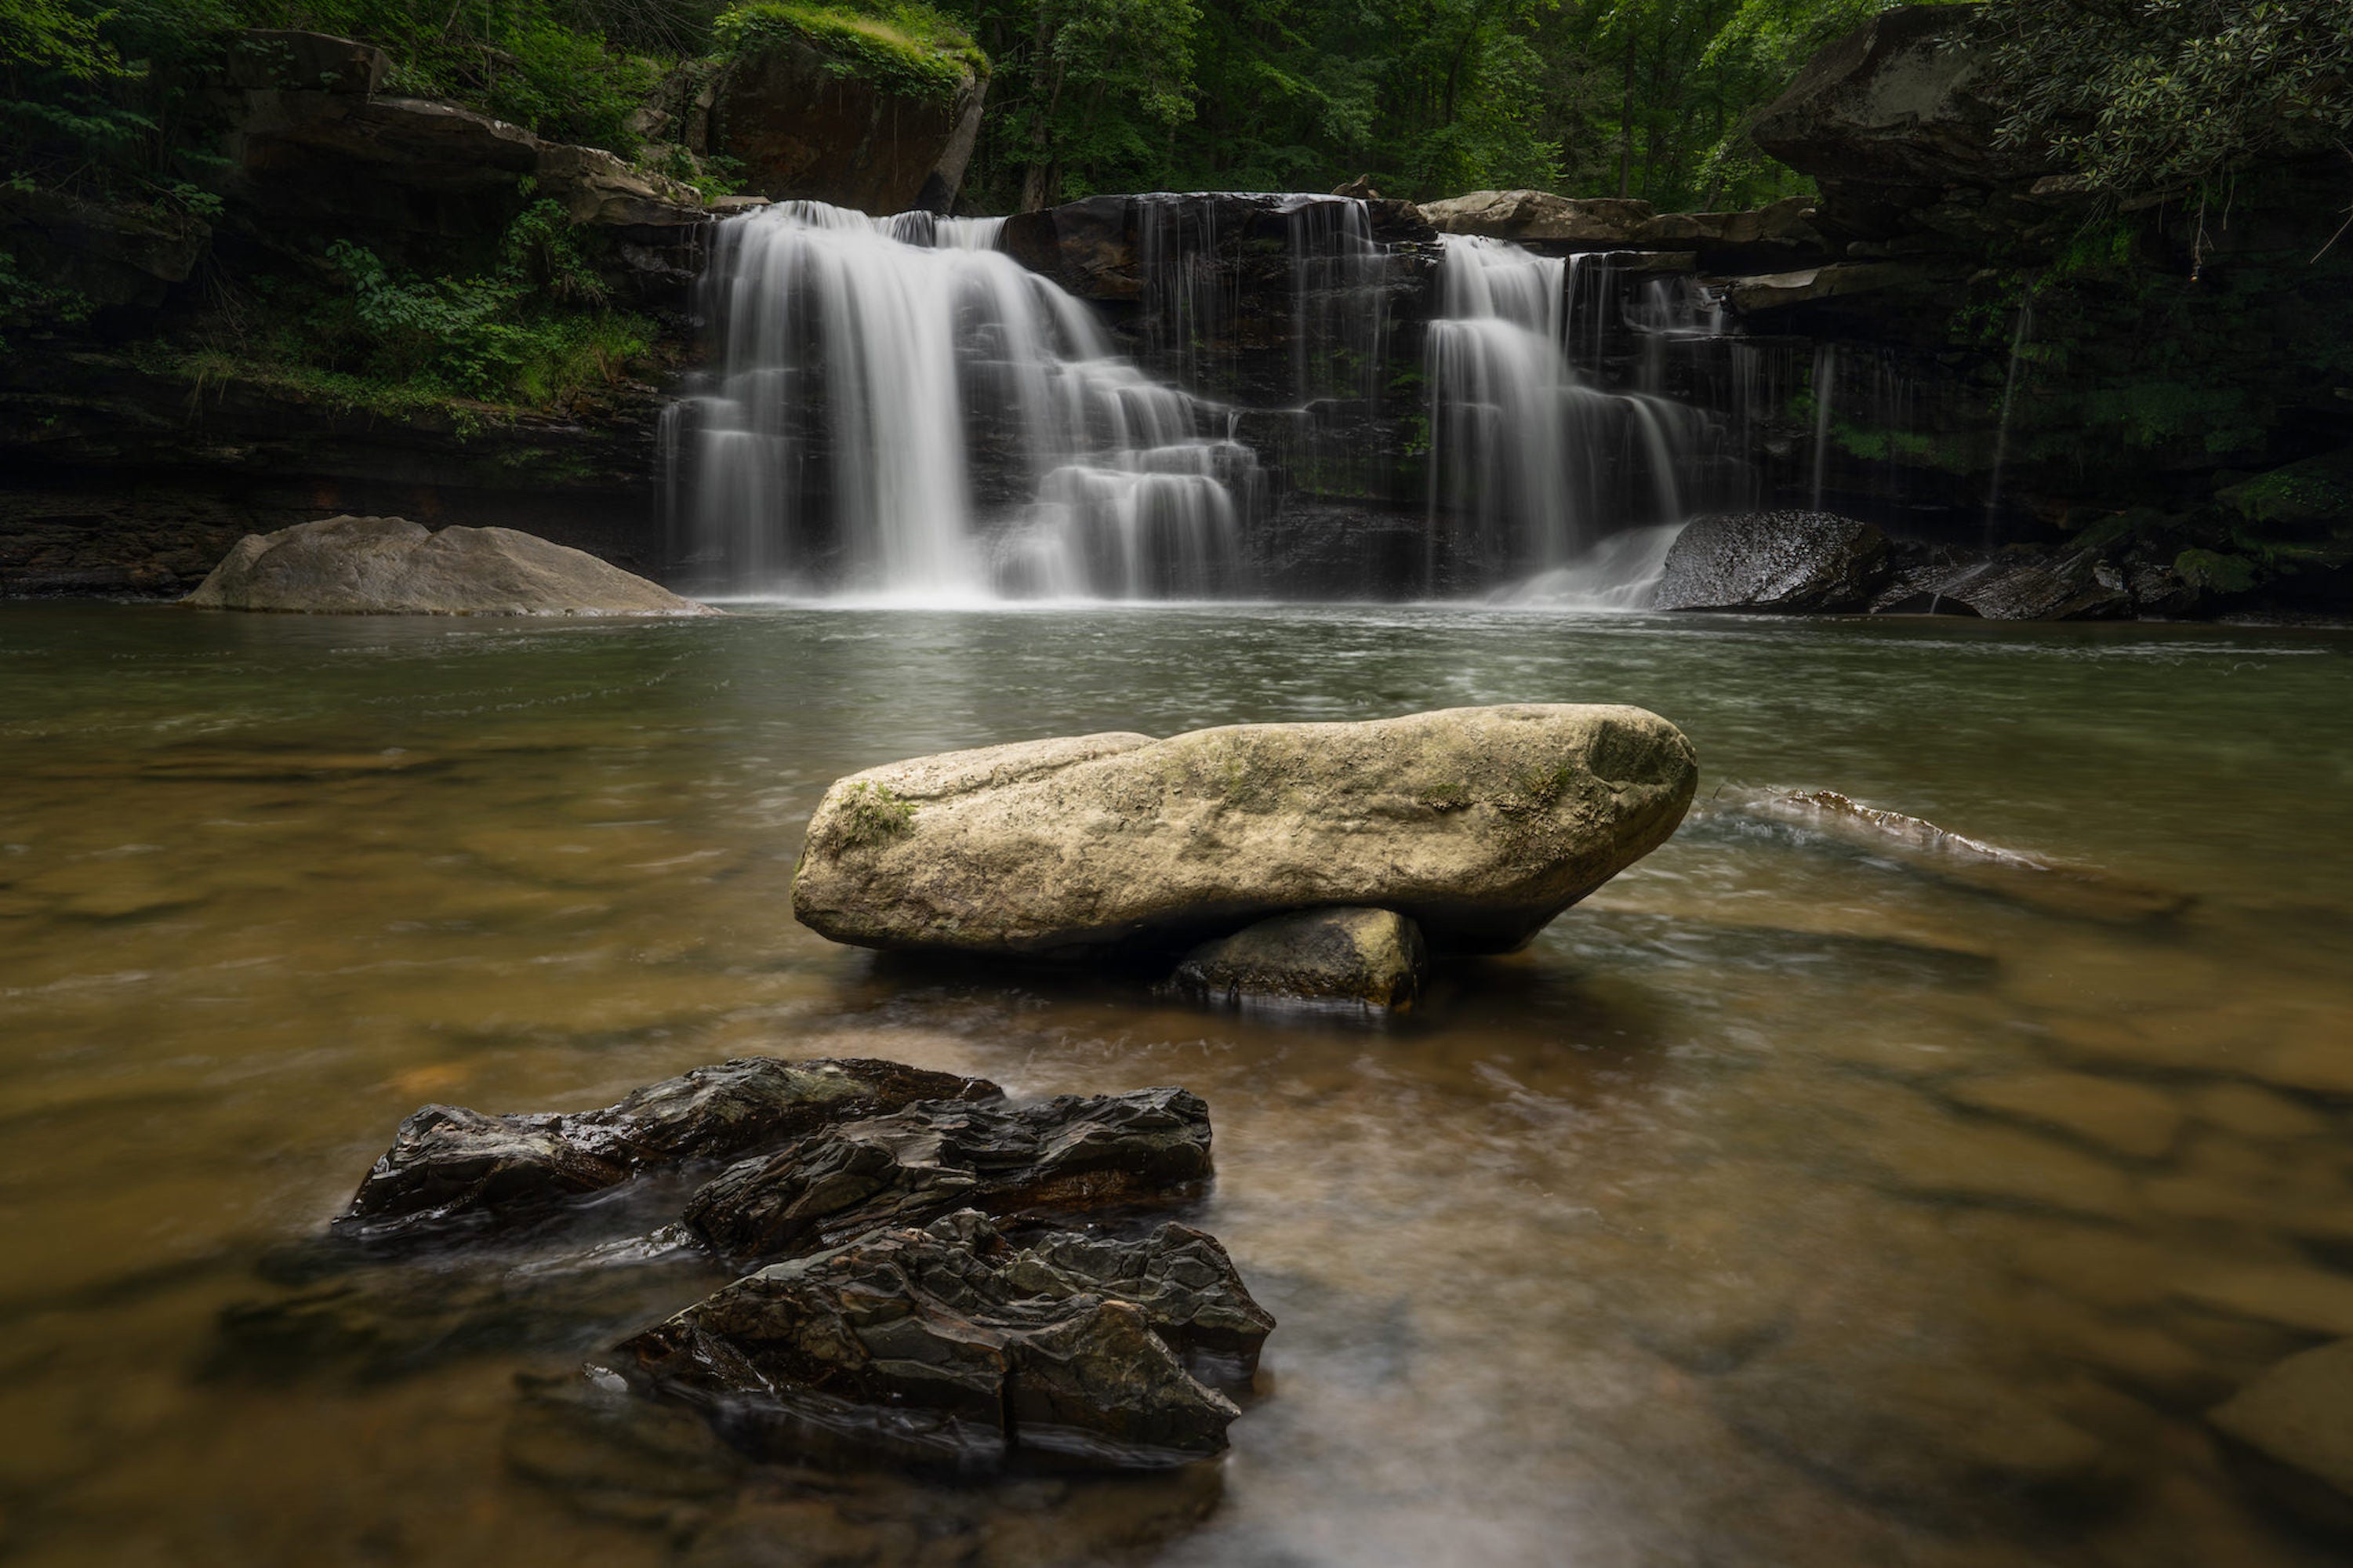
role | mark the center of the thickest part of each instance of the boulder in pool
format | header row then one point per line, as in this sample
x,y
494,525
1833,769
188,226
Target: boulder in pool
x,y
448,1163
1788,562
391,566
952,1341
1150,1147
1478,824
1374,957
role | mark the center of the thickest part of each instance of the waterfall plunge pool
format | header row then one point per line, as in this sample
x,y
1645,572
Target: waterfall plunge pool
x,y
1782,1204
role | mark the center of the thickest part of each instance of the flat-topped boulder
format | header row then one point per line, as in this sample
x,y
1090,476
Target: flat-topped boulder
x,y
952,1341
391,566
1478,824
448,1163
1063,1155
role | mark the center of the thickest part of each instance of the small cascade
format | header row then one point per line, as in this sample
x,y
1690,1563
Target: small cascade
x,y
1533,457
902,410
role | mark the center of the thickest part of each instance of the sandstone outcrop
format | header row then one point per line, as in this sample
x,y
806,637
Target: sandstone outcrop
x,y
1373,957
1788,560
391,566
447,1162
1059,1156
1479,824
955,1341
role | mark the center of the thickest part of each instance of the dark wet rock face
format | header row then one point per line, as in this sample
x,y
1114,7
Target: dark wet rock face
x,y
1785,561
1376,957
1064,1156
952,1341
447,1162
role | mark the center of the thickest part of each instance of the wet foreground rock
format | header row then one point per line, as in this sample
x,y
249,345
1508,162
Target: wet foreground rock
x,y
1066,1155
447,1162
1478,824
952,1341
391,566
948,1276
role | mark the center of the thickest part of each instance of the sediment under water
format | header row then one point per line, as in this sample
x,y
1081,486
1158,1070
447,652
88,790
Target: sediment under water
x,y
1794,1200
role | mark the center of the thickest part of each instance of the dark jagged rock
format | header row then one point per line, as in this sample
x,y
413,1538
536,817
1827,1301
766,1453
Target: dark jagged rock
x,y
1373,957
954,1342
1791,561
448,1162
1151,1146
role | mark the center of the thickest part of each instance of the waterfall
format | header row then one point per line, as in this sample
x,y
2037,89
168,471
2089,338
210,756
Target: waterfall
x,y
1531,462
900,409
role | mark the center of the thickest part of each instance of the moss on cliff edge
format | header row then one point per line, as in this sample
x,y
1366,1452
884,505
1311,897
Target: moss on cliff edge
x,y
909,49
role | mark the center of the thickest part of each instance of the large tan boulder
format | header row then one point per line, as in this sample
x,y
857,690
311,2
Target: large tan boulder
x,y
391,566
1481,823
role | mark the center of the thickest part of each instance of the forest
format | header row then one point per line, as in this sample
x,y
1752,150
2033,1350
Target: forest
x,y
1648,99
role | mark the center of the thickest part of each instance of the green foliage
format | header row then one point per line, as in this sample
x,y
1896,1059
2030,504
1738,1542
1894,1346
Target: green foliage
x,y
1644,98
909,48
540,64
29,303
92,99
2157,95
513,335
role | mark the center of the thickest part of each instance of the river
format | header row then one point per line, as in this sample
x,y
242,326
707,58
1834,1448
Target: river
x,y
1790,1200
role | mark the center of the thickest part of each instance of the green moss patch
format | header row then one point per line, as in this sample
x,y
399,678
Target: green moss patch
x,y
908,50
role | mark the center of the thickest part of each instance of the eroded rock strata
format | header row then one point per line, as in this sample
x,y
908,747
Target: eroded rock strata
x,y
914,1301
447,1162
952,1341
1067,1155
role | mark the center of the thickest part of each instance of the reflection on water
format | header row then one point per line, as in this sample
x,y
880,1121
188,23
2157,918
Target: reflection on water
x,y
1787,1202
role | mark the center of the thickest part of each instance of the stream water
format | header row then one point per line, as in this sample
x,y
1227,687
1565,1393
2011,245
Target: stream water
x,y
1794,1200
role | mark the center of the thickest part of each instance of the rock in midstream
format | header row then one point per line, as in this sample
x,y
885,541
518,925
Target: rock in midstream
x,y
1479,824
391,566
1061,1156
1373,957
952,1341
447,1162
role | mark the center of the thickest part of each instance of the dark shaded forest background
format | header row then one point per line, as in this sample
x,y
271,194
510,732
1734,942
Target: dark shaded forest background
x,y
1646,98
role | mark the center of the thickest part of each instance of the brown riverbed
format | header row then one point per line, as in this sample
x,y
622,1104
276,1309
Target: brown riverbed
x,y
1796,1199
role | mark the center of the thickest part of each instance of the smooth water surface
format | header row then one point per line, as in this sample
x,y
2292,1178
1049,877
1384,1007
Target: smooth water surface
x,y
1788,1202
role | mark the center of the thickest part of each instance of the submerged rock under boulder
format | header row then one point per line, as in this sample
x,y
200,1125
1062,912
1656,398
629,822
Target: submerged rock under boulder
x,y
447,1162
1479,824
1373,957
953,1342
2292,1432
1063,1155
1781,561
391,566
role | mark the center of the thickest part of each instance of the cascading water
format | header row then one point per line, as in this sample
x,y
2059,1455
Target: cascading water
x,y
902,410
1532,462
